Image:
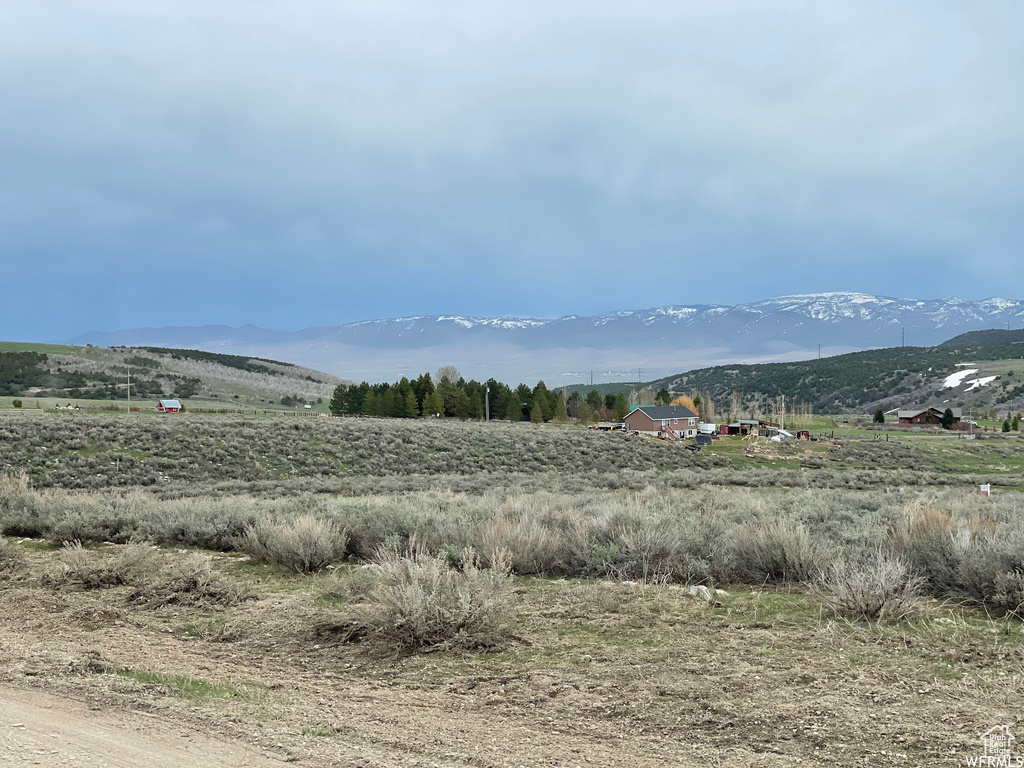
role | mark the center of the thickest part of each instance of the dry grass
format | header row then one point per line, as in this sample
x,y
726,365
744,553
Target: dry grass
x,y
12,561
192,580
91,569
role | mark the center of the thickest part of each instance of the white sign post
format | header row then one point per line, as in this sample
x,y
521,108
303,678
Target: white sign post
x,y
986,490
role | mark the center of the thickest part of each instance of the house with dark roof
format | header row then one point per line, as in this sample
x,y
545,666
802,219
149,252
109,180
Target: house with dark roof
x,y
910,417
662,420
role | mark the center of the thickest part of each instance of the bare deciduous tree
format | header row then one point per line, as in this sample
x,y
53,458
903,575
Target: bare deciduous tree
x,y
449,372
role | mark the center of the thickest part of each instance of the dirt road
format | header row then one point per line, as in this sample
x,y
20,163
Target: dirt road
x,y
39,729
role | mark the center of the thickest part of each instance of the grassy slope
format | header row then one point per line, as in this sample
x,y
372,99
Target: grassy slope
x,y
228,381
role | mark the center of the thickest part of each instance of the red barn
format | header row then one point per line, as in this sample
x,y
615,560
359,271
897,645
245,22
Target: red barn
x,y
168,406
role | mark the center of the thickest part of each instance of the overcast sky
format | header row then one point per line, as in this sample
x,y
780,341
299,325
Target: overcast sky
x,y
313,163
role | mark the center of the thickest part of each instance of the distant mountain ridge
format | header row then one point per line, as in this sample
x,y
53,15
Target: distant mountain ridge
x,y
659,340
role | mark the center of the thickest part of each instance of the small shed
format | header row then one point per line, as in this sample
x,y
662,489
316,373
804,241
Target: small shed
x,y
168,406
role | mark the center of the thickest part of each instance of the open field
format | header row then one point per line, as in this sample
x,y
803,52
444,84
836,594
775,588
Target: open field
x,y
186,454
861,600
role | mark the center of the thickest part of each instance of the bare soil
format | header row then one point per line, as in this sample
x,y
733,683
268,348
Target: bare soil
x,y
602,674
40,729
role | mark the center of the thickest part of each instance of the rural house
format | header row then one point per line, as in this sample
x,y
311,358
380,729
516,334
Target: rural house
x,y
168,406
662,420
932,415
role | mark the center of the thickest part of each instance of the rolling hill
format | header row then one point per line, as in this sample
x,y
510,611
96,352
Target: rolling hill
x,y
89,373
860,382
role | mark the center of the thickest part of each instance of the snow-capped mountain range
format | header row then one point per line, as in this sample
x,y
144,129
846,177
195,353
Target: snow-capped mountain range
x,y
658,341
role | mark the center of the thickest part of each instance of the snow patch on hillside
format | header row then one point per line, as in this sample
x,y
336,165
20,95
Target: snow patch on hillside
x,y
979,383
956,379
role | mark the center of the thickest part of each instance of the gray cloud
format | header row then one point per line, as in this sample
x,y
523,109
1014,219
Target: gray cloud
x,y
516,148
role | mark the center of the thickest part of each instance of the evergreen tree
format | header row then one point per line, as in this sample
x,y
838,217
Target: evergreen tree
x,y
561,411
449,392
879,417
663,397
573,405
1006,425
620,407
537,413
424,386
433,404
544,398
476,407
461,409
594,400
513,408
1015,424
948,419
525,396
387,403
338,403
411,409
370,404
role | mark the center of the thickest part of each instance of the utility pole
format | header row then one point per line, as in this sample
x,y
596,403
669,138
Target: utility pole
x,y
487,403
591,377
129,387
904,332
819,351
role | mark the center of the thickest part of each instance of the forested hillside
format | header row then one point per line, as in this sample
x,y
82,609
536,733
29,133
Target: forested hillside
x,y
861,381
991,336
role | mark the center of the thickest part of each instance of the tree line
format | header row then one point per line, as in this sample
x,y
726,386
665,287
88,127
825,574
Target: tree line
x,y
448,394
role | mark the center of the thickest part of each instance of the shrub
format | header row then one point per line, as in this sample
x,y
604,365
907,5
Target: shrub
x,y
932,544
638,546
93,570
96,518
421,601
17,403
533,547
20,513
304,545
705,550
992,565
193,581
206,523
779,551
879,588
12,561
1008,595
